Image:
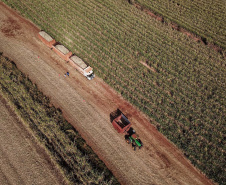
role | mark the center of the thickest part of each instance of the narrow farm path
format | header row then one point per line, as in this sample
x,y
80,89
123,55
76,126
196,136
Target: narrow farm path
x,y
87,106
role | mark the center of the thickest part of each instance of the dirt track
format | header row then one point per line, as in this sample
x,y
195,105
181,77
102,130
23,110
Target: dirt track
x,y
23,161
87,106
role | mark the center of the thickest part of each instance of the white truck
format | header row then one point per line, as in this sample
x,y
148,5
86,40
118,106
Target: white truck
x,y
81,66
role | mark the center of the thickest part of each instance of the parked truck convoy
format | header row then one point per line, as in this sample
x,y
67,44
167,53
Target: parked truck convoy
x,y
121,123
67,55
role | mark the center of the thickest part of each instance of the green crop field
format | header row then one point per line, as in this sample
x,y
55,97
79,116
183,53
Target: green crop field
x,y
205,18
77,161
182,90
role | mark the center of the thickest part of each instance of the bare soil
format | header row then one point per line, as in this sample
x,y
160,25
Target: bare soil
x,y
23,161
87,106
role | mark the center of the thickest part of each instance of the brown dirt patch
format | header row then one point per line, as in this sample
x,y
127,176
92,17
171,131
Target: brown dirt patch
x,y
11,28
147,66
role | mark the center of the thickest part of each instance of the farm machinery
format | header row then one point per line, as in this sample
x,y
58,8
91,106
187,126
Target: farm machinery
x,y
121,123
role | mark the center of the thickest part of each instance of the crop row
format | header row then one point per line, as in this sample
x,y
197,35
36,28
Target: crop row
x,y
205,18
183,94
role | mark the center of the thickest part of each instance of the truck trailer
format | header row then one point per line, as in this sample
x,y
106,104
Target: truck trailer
x,y
67,55
46,39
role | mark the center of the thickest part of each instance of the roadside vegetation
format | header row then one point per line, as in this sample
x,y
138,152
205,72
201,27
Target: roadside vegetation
x,y
183,88
77,161
204,18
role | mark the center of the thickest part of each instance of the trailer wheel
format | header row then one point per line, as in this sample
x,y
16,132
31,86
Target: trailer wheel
x,y
134,147
128,140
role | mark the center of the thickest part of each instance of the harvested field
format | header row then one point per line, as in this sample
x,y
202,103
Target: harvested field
x,y
87,106
23,161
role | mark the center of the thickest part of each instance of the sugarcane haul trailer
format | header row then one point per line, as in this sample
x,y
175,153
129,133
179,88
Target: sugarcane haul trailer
x,y
121,123
67,55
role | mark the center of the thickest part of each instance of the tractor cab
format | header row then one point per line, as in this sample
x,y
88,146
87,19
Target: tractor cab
x,y
131,137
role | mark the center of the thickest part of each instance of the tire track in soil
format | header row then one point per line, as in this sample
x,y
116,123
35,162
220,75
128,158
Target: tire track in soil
x,y
6,166
23,161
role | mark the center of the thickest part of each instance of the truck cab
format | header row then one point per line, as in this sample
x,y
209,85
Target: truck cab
x,y
88,73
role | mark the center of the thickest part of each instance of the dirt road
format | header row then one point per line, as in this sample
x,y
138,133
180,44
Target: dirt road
x,y
87,106
23,161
